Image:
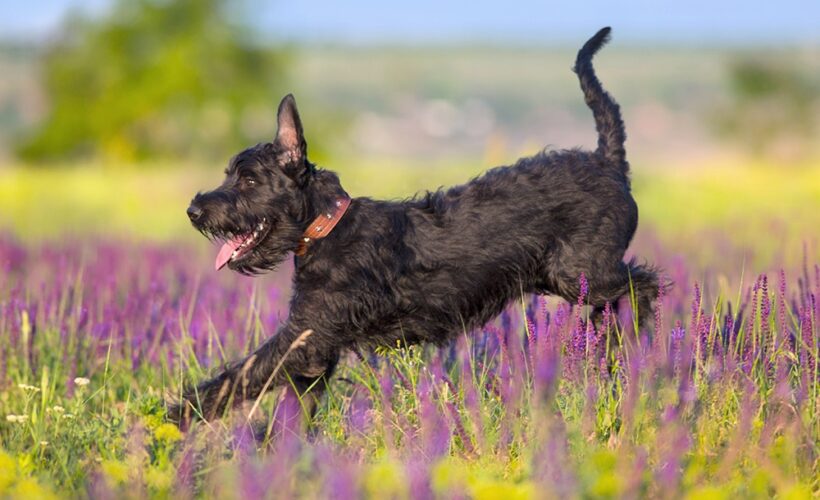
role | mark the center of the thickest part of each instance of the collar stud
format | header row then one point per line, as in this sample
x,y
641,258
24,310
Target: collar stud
x,y
322,226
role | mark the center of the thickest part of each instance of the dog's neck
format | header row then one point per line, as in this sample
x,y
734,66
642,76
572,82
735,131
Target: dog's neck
x,y
324,197
323,190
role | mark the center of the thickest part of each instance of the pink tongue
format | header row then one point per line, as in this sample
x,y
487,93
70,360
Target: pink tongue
x,y
226,251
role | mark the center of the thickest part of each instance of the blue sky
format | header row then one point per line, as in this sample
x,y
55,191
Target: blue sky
x,y
733,22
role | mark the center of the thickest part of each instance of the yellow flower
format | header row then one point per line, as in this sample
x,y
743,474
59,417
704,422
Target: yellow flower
x,y
707,493
448,476
386,480
28,488
502,490
115,471
168,433
159,479
8,471
796,492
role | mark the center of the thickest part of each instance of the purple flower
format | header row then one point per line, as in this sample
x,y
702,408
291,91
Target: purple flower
x,y
418,475
781,305
676,346
287,419
340,475
765,308
606,321
584,289
659,306
244,441
434,428
358,415
696,308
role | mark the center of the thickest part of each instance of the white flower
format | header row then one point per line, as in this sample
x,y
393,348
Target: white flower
x,y
43,443
68,415
27,387
16,418
58,409
81,381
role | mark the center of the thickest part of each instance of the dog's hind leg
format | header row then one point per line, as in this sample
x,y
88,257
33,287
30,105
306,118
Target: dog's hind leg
x,y
626,279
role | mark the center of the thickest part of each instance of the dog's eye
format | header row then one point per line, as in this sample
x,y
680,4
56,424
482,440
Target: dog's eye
x,y
248,181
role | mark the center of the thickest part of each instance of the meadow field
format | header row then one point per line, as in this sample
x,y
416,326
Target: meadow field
x,y
109,304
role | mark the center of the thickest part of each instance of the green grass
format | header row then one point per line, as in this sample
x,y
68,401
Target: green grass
x,y
742,435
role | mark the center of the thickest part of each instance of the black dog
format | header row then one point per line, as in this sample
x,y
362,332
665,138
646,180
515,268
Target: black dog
x,y
379,272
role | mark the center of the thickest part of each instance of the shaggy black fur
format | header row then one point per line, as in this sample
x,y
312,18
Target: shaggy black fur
x,y
424,269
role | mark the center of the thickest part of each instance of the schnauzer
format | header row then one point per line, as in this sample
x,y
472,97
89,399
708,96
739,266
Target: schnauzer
x,y
377,273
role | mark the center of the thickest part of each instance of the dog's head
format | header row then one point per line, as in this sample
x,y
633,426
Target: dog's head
x,y
270,194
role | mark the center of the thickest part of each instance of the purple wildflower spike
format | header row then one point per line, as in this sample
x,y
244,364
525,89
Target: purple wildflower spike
x,y
659,307
696,310
584,289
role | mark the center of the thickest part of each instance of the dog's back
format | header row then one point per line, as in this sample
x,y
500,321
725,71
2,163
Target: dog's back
x,y
535,226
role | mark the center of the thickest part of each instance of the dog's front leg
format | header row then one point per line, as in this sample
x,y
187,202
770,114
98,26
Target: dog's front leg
x,y
291,356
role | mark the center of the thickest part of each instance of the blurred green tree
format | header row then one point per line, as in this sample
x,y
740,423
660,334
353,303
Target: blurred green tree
x,y
774,108
156,79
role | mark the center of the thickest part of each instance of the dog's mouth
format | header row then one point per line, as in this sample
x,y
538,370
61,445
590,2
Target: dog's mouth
x,y
236,248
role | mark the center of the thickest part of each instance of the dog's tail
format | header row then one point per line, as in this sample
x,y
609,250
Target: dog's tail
x,y
607,113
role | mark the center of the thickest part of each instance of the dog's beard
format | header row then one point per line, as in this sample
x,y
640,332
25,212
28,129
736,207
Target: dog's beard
x,y
263,253
251,242
236,248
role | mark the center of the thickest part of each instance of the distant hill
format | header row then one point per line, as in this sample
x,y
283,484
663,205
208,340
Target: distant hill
x,y
463,102
21,102
432,102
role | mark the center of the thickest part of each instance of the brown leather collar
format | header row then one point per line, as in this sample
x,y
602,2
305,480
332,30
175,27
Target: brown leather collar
x,y
322,225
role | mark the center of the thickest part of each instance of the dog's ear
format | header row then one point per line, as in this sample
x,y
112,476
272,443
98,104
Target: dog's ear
x,y
290,138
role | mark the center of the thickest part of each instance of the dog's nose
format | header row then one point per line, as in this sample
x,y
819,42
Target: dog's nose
x,y
194,212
